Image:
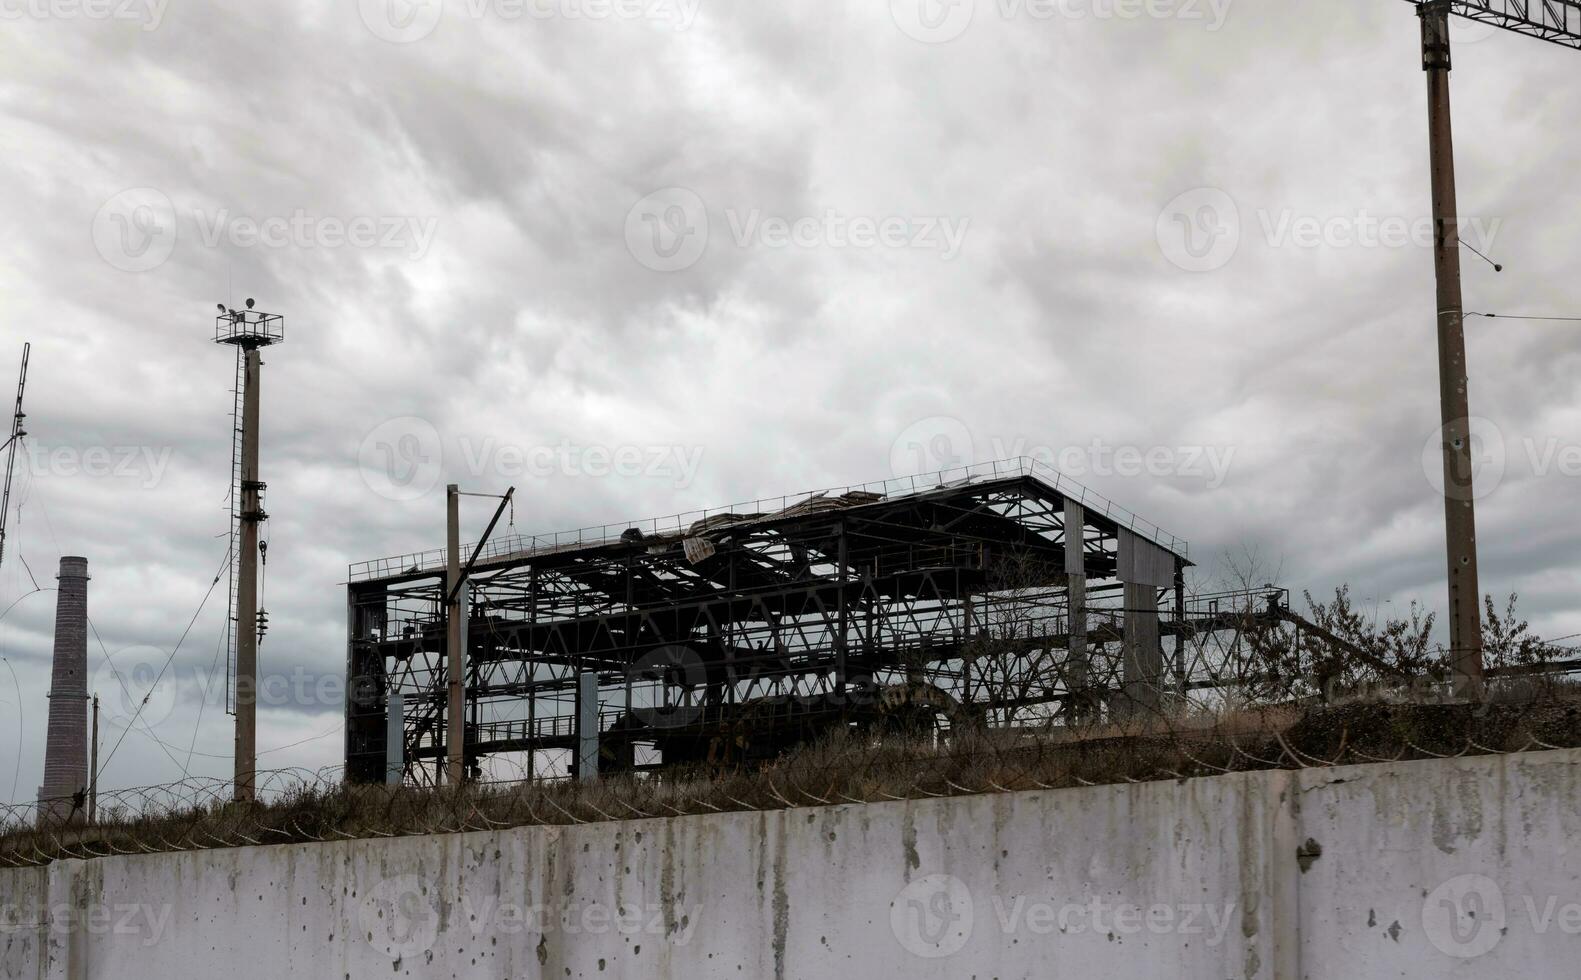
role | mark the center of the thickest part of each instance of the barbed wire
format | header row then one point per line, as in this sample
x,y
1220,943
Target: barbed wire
x,y
301,805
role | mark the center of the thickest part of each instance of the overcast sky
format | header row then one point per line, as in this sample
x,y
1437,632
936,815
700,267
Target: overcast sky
x,y
636,257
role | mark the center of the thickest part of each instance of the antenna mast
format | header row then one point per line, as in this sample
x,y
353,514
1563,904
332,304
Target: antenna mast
x,y
11,445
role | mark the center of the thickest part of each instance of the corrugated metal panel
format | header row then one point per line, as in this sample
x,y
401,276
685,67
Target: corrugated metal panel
x,y
1144,563
1075,521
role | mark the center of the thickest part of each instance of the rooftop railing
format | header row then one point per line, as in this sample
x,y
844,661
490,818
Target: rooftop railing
x,y
526,545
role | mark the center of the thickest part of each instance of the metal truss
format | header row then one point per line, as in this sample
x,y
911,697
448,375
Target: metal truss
x,y
734,634
1558,21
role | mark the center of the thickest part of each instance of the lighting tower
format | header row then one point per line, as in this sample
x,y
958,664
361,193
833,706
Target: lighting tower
x,y
1558,21
249,331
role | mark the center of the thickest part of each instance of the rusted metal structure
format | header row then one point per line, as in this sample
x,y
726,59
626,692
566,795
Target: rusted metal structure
x,y
999,594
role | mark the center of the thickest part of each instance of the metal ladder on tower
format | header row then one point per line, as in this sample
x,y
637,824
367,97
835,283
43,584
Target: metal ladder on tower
x,y
233,504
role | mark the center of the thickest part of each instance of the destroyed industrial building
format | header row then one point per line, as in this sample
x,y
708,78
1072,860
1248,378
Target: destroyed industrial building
x,y
1000,594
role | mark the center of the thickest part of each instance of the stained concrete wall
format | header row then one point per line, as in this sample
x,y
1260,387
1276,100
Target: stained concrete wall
x,y
1423,869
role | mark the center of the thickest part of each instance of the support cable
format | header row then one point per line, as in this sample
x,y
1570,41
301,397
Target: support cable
x,y
144,703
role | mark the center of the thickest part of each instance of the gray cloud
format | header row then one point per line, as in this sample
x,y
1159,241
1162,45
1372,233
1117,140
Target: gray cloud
x,y
529,320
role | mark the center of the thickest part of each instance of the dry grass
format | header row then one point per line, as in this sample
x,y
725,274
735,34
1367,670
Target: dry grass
x,y
845,770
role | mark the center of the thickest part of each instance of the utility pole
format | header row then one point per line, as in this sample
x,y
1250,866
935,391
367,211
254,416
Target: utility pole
x,y
93,765
249,331
456,604
1460,522
455,720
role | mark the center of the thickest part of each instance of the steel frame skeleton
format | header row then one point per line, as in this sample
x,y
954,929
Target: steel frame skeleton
x,y
1558,21
728,636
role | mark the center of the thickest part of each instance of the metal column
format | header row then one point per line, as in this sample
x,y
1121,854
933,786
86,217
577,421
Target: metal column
x,y
394,740
587,726
455,662
1075,520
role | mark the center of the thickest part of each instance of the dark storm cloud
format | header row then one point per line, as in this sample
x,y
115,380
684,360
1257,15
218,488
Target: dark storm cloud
x,y
509,300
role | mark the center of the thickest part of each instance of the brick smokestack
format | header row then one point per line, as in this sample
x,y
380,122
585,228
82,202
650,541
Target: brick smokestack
x,y
66,745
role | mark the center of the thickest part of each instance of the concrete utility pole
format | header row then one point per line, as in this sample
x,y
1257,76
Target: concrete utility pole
x,y
93,765
455,720
249,331
1460,522
247,588
457,601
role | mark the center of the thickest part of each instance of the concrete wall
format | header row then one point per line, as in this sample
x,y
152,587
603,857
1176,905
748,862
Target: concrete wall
x,y
1459,868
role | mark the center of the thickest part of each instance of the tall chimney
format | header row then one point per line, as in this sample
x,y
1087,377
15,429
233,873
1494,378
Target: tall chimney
x,y
66,745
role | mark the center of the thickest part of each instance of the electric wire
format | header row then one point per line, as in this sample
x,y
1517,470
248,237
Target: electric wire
x,y
144,703
1514,316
